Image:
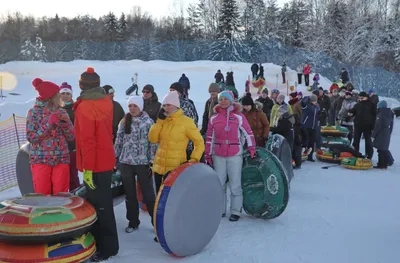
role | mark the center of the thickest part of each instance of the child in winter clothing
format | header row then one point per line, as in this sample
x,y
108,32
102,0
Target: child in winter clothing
x,y
48,128
257,119
95,157
219,77
224,147
346,120
172,132
275,113
382,133
136,154
66,98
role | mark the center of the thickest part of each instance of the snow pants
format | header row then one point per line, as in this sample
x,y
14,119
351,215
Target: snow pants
x,y
307,79
129,173
50,180
73,172
230,167
104,229
283,77
309,135
299,77
367,132
383,158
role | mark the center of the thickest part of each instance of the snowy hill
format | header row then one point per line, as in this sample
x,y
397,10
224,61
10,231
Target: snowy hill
x,y
334,215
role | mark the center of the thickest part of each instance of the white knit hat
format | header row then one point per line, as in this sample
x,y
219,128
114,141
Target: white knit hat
x,y
137,100
172,98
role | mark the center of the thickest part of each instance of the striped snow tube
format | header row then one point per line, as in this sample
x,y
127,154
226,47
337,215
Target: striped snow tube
x,y
189,192
356,163
327,156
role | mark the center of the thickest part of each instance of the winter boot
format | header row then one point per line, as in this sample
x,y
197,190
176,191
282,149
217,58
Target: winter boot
x,y
131,228
234,218
97,257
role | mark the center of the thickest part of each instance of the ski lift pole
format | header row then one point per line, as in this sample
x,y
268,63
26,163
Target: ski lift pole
x,y
276,85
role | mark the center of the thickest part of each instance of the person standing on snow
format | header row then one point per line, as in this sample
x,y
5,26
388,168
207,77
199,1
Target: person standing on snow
x,y
373,97
151,104
230,85
184,81
257,119
213,89
219,77
309,122
254,70
48,128
332,114
276,110
364,122
283,71
274,96
224,148
295,104
307,71
344,76
266,102
68,103
346,120
136,154
382,133
118,111
96,159
299,71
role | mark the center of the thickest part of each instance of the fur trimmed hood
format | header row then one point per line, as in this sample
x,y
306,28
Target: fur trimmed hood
x,y
237,108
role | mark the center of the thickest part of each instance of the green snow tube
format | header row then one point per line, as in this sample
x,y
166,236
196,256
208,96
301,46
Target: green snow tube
x,y
334,131
329,141
265,185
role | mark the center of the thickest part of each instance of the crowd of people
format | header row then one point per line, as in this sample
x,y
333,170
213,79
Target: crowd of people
x,y
94,135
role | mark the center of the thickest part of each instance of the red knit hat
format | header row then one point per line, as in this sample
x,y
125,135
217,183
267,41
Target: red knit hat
x,y
46,89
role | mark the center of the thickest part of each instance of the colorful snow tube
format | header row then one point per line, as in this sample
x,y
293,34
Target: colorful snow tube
x,y
70,251
188,209
330,141
38,218
140,197
258,82
335,131
265,185
327,156
356,163
279,146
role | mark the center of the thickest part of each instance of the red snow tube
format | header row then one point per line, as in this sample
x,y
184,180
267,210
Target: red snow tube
x,y
258,82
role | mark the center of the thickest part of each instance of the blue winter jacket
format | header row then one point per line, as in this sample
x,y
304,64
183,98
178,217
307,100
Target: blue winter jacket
x,y
309,118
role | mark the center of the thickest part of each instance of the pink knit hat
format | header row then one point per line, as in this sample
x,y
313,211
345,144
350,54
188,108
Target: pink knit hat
x,y
65,87
172,98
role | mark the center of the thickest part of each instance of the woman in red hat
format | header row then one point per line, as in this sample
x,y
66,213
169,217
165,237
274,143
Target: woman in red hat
x,y
48,128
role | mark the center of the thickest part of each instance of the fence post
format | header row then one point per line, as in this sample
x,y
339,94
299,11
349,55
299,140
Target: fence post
x,y
16,131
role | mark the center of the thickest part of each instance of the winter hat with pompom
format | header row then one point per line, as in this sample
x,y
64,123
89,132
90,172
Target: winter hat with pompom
x,y
247,100
172,98
46,89
66,88
137,100
226,94
89,79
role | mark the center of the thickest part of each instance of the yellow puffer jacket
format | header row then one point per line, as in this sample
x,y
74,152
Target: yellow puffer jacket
x,y
173,135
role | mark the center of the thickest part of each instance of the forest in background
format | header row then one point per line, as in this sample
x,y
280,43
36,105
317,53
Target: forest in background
x,y
362,35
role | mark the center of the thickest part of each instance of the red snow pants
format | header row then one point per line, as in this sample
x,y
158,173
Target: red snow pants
x,y
73,172
50,180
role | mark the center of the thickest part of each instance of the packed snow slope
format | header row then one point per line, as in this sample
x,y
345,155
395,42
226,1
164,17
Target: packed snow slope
x,y
334,215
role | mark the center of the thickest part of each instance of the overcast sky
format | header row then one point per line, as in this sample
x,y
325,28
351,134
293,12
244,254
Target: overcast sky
x,y
72,8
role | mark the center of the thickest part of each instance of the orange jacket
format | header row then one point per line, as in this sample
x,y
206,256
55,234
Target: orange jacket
x,y
93,135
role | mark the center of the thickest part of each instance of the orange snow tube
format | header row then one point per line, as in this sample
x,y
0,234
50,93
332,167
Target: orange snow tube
x,y
258,83
140,197
327,156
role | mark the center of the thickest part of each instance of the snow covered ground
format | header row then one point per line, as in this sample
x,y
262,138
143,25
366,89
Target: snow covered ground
x,y
334,215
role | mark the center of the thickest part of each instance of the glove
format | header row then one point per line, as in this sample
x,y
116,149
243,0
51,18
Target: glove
x,y
150,172
54,119
208,160
88,179
161,114
252,151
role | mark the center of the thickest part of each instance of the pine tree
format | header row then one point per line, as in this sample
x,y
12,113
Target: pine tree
x,y
27,51
122,29
229,44
271,19
111,27
253,21
40,50
196,26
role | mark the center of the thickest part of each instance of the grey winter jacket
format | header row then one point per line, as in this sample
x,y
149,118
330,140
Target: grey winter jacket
x,y
382,130
135,148
347,105
300,69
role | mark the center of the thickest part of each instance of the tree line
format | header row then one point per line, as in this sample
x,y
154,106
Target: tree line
x,y
352,32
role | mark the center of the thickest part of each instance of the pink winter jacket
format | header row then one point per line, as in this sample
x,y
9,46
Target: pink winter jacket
x,y
225,131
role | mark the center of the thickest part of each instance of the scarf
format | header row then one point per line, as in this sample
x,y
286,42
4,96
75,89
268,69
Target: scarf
x,y
92,94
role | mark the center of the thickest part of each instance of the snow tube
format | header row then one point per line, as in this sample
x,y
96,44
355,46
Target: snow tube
x,y
72,250
140,197
356,163
335,131
265,185
330,141
279,146
188,209
116,185
39,218
328,156
396,111
23,170
258,82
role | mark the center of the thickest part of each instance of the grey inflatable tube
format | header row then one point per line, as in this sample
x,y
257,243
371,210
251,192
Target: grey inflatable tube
x,y
281,148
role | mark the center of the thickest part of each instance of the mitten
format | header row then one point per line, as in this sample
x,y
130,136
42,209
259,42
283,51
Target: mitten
x,y
252,151
88,179
54,119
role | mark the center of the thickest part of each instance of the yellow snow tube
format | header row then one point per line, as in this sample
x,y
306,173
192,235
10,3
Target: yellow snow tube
x,y
356,163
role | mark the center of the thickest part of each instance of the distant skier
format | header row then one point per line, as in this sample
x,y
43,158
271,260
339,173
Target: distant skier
x,y
261,72
219,77
283,70
254,70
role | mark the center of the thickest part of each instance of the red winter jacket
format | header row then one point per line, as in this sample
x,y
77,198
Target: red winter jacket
x,y
94,134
